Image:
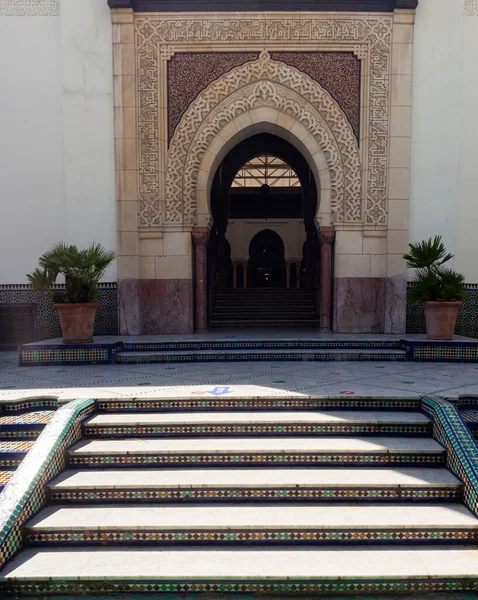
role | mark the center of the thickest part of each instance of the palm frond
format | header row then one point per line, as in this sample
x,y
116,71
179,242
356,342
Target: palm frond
x,y
82,269
433,282
429,253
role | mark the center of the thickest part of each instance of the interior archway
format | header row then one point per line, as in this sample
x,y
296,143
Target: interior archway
x,y
263,203
266,265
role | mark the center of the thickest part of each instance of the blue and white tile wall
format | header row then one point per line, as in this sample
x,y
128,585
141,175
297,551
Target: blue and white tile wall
x,y
45,324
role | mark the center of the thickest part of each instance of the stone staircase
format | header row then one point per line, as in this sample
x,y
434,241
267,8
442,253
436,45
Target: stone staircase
x,y
232,349
268,307
283,496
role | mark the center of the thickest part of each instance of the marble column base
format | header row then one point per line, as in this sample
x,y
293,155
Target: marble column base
x,y
370,305
359,304
396,305
128,307
155,306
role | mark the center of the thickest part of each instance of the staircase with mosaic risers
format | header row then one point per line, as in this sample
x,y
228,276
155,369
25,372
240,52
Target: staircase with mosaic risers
x,y
282,496
137,352
19,428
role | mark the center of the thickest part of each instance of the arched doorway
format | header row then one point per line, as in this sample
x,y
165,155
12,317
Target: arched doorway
x,y
266,264
263,204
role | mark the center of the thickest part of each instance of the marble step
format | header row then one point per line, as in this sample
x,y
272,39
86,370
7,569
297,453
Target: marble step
x,y
256,423
320,571
253,524
257,451
329,355
237,484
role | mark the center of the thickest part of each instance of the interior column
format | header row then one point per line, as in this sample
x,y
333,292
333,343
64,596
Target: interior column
x,y
200,238
326,239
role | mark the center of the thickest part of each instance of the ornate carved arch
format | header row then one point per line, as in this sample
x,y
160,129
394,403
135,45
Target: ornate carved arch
x,y
264,82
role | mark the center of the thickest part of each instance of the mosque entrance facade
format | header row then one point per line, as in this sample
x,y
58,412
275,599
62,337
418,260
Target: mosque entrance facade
x,y
262,151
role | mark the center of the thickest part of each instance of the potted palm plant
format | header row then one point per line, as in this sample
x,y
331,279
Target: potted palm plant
x,y
439,288
82,270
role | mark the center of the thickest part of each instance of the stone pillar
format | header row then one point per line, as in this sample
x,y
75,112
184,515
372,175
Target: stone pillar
x,y
200,239
244,275
234,275
297,275
326,239
287,274
310,258
221,256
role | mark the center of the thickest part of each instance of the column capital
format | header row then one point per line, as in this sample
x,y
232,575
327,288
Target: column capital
x,y
326,235
200,236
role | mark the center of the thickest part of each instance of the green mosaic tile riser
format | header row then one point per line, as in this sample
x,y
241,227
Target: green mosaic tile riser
x,y
467,323
265,494
244,356
50,453
280,536
260,345
462,452
139,405
171,460
285,587
250,430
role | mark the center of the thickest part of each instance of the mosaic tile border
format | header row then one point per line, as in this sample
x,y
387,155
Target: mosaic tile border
x,y
119,352
245,357
214,537
267,459
271,586
462,451
435,351
259,345
221,404
19,406
25,493
221,495
69,354
276,429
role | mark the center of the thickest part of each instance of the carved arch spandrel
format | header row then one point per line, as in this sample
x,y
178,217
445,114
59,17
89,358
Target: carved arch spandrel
x,y
264,83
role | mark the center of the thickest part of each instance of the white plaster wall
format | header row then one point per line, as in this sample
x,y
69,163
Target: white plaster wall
x,y
56,123
444,167
467,205
33,211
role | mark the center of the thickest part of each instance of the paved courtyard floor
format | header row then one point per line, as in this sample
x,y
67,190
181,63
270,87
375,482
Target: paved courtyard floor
x,y
247,379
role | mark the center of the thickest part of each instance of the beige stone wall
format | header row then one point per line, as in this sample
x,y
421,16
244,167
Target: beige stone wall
x,y
241,231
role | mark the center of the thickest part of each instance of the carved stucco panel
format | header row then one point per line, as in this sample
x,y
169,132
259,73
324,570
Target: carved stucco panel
x,y
371,32
29,8
264,83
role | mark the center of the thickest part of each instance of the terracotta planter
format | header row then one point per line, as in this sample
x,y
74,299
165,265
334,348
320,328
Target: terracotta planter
x,y
77,322
441,319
